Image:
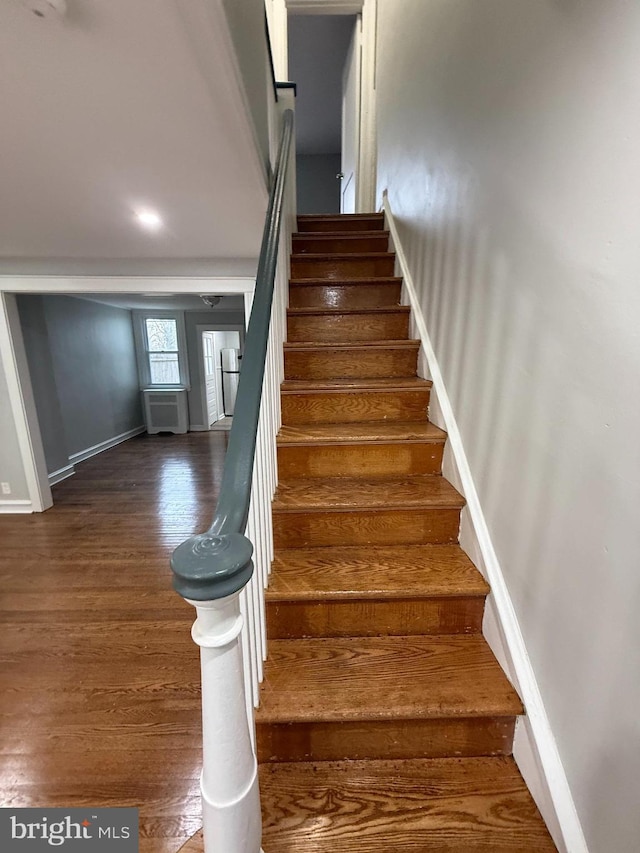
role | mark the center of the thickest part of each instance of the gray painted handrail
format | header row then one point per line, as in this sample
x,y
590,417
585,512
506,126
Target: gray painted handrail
x,y
218,563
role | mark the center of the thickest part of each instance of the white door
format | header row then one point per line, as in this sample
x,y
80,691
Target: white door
x,y
351,120
210,381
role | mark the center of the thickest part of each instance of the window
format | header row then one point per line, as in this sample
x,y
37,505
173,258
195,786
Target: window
x,y
161,347
163,353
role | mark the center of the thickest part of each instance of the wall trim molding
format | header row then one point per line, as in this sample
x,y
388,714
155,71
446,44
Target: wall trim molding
x,y
105,445
15,507
61,474
535,748
198,428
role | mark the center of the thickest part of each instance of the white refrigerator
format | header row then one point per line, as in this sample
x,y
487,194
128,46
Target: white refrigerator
x,y
230,376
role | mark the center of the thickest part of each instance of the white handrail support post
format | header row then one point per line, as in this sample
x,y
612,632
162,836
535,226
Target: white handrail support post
x,y
229,782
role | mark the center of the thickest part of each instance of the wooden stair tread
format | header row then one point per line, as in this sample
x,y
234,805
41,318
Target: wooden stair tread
x,y
332,256
331,235
383,678
338,282
371,431
340,217
339,312
412,383
424,490
303,574
324,346
429,805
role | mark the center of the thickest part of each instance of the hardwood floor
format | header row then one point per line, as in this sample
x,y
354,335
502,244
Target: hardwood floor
x,y
99,678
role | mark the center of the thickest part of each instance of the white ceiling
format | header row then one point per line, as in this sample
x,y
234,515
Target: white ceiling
x,y
318,46
110,109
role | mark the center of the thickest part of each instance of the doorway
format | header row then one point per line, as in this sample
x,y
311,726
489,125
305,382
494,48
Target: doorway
x,y
221,359
209,374
319,46
29,474
329,50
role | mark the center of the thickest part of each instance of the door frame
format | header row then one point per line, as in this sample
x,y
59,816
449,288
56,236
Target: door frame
x,y
205,390
13,359
277,16
206,327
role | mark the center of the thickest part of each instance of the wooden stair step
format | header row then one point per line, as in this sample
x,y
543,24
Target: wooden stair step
x,y
360,697
324,360
343,264
338,242
341,222
425,491
409,511
376,449
354,400
324,325
446,805
348,293
438,571
382,432
401,590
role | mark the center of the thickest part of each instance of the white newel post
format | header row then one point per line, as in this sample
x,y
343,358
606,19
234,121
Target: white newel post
x,y
229,783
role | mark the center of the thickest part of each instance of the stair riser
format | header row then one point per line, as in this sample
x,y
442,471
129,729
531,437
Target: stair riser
x,y
360,460
321,618
356,363
331,407
342,267
338,223
363,295
346,328
356,527
436,738
318,245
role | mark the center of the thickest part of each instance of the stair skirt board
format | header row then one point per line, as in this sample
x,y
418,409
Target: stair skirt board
x,y
378,674
535,750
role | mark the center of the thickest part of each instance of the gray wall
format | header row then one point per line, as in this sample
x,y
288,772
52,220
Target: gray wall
x,y
211,320
90,385
318,46
36,342
318,189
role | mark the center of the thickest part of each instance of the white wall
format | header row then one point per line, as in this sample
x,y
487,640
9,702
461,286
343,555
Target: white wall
x,y
509,134
247,26
11,468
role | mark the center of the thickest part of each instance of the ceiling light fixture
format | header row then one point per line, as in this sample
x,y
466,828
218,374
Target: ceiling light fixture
x,y
149,219
211,301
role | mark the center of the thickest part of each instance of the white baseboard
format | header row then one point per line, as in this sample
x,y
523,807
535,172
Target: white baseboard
x,y
535,749
198,428
15,507
105,445
61,474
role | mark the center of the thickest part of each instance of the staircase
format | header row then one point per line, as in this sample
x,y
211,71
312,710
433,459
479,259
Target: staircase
x,y
385,723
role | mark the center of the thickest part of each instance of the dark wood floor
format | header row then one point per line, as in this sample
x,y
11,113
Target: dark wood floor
x,y
99,678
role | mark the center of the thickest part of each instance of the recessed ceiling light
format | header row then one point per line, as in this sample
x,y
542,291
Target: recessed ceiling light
x,y
149,219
